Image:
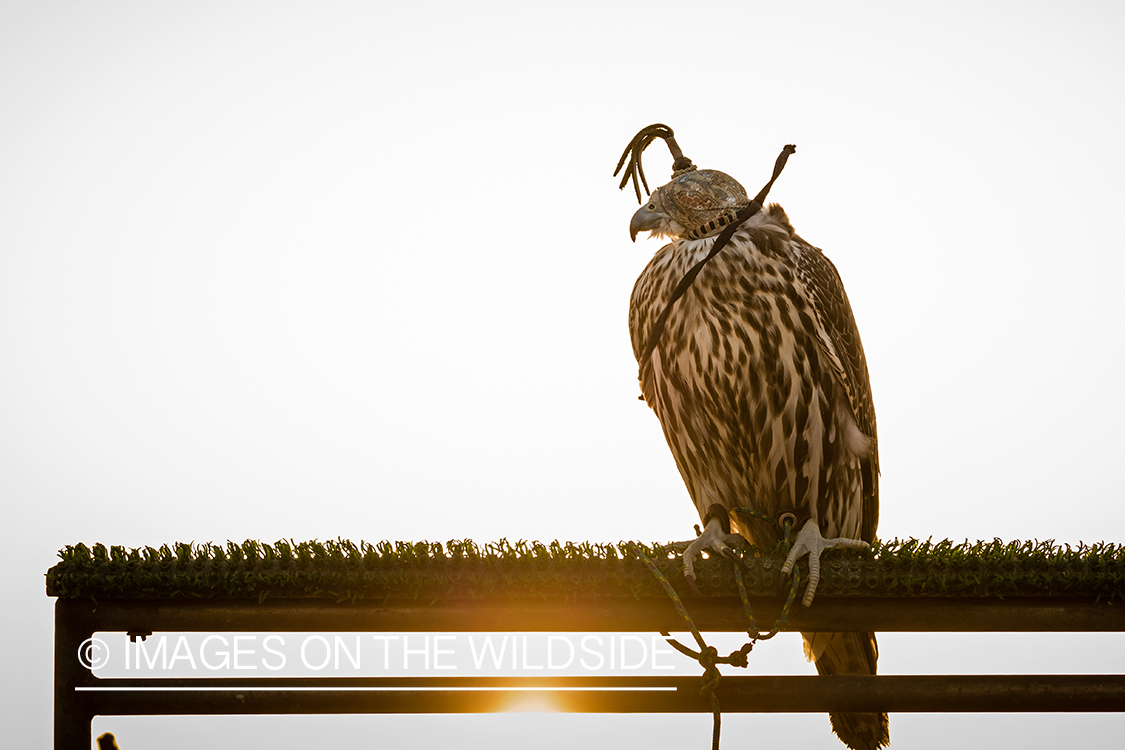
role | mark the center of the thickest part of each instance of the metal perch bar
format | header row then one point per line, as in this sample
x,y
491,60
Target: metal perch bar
x,y
653,614
338,587
804,694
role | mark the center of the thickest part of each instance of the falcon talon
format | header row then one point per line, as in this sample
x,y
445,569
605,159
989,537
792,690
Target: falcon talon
x,y
712,541
810,542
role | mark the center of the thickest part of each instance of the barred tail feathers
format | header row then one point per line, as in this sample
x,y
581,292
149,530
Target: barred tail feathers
x,y
850,653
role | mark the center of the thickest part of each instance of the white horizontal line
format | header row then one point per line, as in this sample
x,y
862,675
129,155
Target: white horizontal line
x,y
209,689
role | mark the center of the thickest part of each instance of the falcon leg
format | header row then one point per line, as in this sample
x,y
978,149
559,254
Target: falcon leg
x,y
713,539
810,542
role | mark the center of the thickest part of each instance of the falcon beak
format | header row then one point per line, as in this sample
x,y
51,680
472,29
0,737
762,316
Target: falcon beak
x,y
644,220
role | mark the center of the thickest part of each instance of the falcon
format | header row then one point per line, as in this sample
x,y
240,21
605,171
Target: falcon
x,y
751,359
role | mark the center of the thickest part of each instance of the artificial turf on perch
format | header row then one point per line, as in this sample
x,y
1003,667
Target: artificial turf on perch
x,y
345,571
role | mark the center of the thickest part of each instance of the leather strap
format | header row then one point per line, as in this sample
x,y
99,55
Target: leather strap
x,y
724,237
718,511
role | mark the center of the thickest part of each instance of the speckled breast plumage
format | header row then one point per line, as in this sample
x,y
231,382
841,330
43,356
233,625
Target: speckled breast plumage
x,y
757,401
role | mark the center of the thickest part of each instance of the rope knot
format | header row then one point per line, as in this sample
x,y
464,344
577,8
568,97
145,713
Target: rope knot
x,y
740,658
708,656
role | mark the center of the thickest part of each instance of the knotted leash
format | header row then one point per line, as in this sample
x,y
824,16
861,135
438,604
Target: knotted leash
x,y
708,656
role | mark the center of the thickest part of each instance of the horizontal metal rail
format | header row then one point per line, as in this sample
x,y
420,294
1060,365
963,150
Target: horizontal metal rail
x,y
757,694
882,614
79,696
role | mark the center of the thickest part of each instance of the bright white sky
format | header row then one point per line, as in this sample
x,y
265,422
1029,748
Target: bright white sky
x,y
351,269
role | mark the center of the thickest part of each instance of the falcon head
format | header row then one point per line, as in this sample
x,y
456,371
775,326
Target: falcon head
x,y
696,203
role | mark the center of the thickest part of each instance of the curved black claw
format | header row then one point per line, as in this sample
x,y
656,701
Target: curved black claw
x,y
731,555
714,541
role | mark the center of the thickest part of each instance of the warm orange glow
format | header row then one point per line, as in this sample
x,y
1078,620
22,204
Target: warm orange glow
x,y
532,702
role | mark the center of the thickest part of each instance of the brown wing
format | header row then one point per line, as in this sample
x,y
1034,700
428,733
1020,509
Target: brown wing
x,y
835,312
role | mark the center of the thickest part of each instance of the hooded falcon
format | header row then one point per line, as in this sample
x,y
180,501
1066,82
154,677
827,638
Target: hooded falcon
x,y
751,359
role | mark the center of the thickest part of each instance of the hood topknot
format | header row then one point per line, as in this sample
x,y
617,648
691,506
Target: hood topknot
x,y
702,201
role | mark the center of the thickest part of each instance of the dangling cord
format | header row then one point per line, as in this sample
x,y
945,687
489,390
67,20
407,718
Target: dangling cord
x,y
786,521
708,656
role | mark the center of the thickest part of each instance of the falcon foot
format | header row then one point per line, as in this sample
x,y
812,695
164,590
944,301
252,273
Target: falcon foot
x,y
714,540
809,541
